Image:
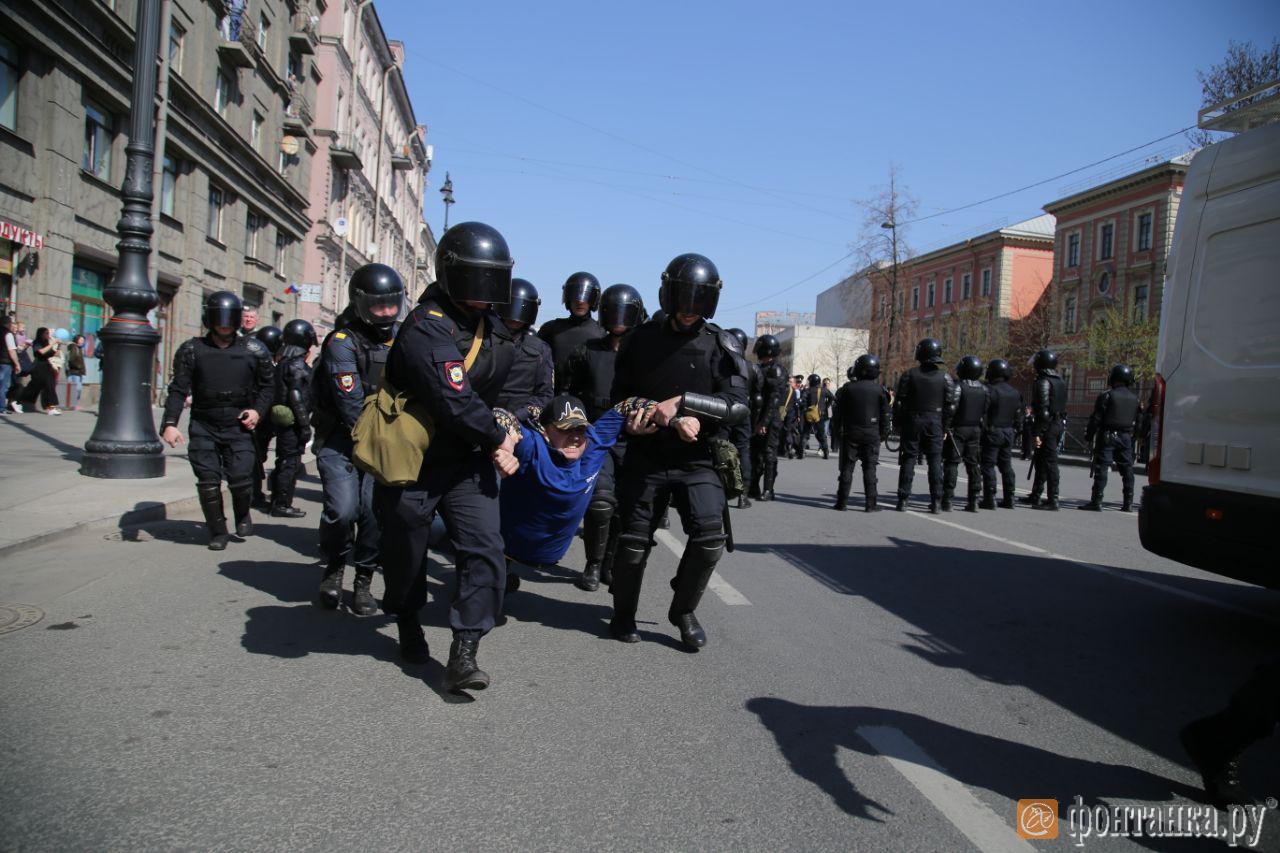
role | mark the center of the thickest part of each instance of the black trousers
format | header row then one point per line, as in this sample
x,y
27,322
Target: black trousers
x,y
864,447
764,459
922,433
1113,447
289,444
820,430
997,452
261,443
964,445
1046,459
740,435
220,452
464,488
600,524
43,384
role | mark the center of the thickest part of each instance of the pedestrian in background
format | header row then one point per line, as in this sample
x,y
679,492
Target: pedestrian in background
x,y
44,377
75,371
9,364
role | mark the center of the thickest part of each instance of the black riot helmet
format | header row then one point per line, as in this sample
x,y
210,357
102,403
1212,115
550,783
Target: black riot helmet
x,y
1045,360
1121,374
524,303
998,370
740,336
929,351
581,287
299,333
621,305
969,367
865,367
222,308
767,346
474,264
270,337
814,380
690,285
376,286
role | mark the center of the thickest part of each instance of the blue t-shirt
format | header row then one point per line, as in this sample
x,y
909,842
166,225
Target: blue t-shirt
x,y
545,500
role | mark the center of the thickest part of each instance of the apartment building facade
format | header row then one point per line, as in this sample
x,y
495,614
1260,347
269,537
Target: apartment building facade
x,y
232,168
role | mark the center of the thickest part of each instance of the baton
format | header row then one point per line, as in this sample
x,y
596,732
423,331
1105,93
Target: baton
x,y
728,528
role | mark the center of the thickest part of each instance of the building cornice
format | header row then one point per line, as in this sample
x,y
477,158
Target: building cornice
x,y
1161,172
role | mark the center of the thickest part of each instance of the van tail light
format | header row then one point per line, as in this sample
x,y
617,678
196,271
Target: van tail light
x,y
1157,431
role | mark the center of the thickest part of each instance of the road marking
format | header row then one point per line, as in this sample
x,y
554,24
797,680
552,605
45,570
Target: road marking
x,y
717,584
1106,570
966,812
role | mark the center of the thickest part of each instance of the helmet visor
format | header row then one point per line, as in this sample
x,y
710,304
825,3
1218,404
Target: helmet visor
x,y
478,281
619,314
522,310
222,315
581,291
379,309
686,298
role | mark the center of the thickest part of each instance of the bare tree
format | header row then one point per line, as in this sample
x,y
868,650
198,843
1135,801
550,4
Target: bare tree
x,y
1245,67
1034,331
883,249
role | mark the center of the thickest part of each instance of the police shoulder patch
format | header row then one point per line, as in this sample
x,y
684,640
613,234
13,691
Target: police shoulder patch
x,y
455,374
346,381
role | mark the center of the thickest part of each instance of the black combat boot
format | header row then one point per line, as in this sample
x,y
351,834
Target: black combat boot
x,y
1051,504
330,594
1214,745
902,504
362,603
241,500
462,671
628,574
934,509
842,499
1007,503
946,504
413,643
743,502
590,580
872,504
972,505
210,496
1093,505
988,502
1127,505
691,634
1032,499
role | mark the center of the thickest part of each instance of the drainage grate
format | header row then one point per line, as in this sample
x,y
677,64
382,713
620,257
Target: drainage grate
x,y
15,617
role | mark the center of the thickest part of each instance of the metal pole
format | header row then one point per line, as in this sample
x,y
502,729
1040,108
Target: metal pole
x,y
124,444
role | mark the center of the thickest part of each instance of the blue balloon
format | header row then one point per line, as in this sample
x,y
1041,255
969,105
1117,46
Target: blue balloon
x,y
62,335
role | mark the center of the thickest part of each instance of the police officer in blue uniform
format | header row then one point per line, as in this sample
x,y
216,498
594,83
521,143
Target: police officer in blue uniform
x,y
740,434
589,377
272,338
685,357
924,404
766,418
964,439
458,477
1002,432
581,296
229,379
291,414
859,424
350,369
529,382
1110,432
1049,413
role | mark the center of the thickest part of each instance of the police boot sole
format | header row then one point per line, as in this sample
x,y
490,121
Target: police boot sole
x,y
587,584
287,512
244,528
219,542
363,605
1090,507
624,633
475,680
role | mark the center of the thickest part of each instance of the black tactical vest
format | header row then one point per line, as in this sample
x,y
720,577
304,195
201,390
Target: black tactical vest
x,y
926,391
223,378
1005,402
593,382
1122,409
973,404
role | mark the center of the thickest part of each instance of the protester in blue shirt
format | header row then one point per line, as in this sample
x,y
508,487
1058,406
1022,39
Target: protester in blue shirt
x,y
559,458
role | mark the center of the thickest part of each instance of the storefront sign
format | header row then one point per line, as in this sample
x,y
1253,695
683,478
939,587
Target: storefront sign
x,y
9,231
310,292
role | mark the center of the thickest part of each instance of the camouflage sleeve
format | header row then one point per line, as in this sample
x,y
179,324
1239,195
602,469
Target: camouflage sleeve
x,y
631,405
509,422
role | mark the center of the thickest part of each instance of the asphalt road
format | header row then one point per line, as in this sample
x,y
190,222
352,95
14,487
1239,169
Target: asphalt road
x,y
872,682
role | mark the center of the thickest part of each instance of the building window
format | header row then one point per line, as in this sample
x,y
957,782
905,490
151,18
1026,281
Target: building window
x,y
1069,315
99,128
1073,250
221,92
915,298
966,286
255,131
253,224
282,249
175,47
901,298
933,286
215,213
1104,283
1144,232
168,184
1140,303
1066,372
9,75
263,26
946,290
1106,237
884,305
986,282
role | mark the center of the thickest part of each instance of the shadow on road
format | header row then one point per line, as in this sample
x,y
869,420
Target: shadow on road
x,y
1138,663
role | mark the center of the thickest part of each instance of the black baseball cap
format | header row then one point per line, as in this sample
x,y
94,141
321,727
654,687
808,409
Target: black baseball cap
x,y
565,412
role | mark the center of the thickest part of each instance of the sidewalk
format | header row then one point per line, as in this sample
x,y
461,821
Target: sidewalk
x,y
43,495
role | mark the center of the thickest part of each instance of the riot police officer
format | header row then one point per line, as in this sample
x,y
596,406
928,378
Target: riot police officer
x,y
924,404
350,369
529,381
740,434
229,379
815,397
589,377
687,357
859,423
450,356
791,420
1049,413
1110,432
1003,428
581,295
964,439
766,417
270,336
291,414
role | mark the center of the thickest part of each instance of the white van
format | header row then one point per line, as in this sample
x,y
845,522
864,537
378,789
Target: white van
x,y
1214,470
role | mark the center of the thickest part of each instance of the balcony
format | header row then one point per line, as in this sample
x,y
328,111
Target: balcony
x,y
298,118
400,159
305,35
344,152
231,49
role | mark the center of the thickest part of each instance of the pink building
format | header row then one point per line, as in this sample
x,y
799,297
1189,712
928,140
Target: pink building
x,y
371,164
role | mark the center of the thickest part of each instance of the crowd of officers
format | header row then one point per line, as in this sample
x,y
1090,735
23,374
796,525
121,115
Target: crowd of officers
x,y
468,353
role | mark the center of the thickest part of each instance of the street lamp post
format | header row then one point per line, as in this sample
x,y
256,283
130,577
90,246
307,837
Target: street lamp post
x,y
447,191
124,445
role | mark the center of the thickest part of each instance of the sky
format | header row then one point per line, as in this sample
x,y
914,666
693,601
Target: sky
x,y
611,137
